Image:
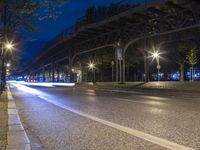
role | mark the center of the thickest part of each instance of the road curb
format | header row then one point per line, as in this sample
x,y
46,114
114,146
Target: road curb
x,y
17,137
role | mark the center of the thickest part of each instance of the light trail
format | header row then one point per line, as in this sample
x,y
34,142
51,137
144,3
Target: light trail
x,y
43,84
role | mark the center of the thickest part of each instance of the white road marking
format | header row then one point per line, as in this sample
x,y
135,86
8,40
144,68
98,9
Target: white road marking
x,y
115,91
146,102
136,133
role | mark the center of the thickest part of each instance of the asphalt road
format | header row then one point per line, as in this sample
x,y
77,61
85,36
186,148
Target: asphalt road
x,y
91,119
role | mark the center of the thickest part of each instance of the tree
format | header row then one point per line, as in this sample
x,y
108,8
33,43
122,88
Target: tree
x,y
26,13
178,53
15,14
192,60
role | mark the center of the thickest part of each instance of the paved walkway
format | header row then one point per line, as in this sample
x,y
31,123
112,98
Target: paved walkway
x,y
164,85
3,121
12,133
17,138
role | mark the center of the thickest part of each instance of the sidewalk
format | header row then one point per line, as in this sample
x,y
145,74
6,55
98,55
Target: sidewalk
x,y
12,133
3,120
161,85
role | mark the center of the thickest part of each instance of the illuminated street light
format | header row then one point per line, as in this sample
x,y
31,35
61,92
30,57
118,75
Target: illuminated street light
x,y
156,56
91,66
9,46
7,65
5,46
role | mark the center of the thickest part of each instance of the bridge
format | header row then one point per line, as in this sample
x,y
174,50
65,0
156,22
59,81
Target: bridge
x,y
129,22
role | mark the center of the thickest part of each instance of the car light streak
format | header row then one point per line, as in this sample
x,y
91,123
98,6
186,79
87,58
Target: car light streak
x,y
63,84
27,89
43,84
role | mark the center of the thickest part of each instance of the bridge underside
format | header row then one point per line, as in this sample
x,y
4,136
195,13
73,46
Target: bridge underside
x,y
156,22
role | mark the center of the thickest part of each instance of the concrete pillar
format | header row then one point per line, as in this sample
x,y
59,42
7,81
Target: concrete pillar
x,y
70,71
58,73
123,69
117,71
53,72
49,71
81,73
120,71
43,74
146,68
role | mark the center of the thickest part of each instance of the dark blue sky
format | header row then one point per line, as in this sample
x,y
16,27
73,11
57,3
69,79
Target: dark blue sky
x,y
47,29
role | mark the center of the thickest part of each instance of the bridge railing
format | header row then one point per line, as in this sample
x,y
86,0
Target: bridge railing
x,y
101,13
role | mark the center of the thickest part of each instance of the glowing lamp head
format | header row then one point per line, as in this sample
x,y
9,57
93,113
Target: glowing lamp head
x,y
91,65
9,46
8,65
155,55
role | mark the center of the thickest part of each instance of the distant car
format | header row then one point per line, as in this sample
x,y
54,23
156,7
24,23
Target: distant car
x,y
31,80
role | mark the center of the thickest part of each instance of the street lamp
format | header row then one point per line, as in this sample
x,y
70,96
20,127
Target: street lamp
x,y
112,64
7,65
9,46
156,56
91,66
5,46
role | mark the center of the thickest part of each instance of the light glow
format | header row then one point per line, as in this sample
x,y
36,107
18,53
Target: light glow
x,y
9,46
91,65
43,84
155,54
63,84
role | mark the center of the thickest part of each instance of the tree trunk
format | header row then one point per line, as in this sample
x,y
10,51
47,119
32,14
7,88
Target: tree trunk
x,y
127,73
192,73
181,72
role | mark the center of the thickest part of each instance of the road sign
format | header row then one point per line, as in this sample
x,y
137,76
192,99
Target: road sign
x,y
119,53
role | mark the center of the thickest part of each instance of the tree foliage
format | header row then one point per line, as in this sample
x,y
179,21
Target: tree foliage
x,y
26,13
192,57
15,14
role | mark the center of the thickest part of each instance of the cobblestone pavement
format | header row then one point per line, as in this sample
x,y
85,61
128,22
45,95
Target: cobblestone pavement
x,y
3,121
173,116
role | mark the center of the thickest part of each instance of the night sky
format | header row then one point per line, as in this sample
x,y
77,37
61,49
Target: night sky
x,y
48,28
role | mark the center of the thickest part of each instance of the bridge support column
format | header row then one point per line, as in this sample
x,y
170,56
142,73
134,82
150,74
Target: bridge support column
x,y
43,74
120,71
49,71
53,72
117,71
70,71
81,73
146,68
123,68
58,73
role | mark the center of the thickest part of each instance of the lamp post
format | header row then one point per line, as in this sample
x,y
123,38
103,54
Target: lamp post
x,y
5,46
92,67
157,57
112,63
